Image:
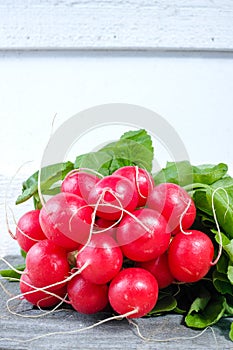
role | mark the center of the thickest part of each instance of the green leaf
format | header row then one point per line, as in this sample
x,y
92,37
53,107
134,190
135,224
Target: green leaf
x,y
179,310
179,173
133,148
204,312
222,264
222,283
11,274
139,136
23,253
229,249
227,244
219,197
231,332
99,161
183,173
50,175
201,202
223,203
228,305
230,273
30,187
208,173
165,304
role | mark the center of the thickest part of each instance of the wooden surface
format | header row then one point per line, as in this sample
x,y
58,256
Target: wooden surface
x,y
117,24
112,335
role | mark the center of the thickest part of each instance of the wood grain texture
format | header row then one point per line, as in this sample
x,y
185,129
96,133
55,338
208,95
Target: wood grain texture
x,y
9,192
117,24
15,331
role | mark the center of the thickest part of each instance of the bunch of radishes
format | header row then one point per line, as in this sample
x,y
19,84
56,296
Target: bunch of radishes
x,y
113,240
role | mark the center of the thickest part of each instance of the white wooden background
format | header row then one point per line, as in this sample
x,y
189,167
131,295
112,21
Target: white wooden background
x,y
117,24
174,57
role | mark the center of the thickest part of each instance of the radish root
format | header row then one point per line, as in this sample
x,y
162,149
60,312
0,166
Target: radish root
x,y
173,338
118,317
182,216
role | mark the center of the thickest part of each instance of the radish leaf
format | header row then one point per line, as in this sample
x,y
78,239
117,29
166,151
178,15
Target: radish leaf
x,y
133,148
49,176
204,312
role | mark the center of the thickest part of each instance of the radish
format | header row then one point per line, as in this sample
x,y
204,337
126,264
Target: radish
x,y
175,204
142,180
87,297
144,235
159,268
133,289
103,224
28,230
116,191
190,256
103,257
40,298
65,220
79,183
47,264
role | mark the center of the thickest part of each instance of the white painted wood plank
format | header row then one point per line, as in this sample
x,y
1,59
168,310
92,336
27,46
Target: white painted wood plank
x,y
8,194
117,24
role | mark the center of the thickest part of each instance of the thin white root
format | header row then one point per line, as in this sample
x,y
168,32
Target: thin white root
x,y
119,317
137,181
172,338
11,266
96,206
44,312
8,224
182,216
39,189
131,215
21,231
36,289
95,211
4,288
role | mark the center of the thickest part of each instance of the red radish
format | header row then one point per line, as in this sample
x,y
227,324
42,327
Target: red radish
x,y
116,190
28,230
40,298
79,183
160,269
47,264
103,224
143,243
104,259
174,203
142,180
190,256
133,289
87,297
65,220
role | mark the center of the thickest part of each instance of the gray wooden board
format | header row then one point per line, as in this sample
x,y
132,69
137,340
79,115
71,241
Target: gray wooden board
x,y
111,335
